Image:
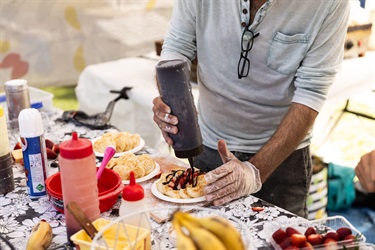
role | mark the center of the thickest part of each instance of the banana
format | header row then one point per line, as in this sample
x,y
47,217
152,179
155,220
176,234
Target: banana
x,y
40,237
183,241
201,237
221,228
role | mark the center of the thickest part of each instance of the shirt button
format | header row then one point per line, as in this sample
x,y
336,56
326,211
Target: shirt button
x,y
243,24
244,11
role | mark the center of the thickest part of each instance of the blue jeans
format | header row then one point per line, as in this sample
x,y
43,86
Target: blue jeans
x,y
287,187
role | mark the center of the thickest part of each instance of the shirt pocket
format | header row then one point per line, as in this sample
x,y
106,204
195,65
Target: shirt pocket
x,y
286,52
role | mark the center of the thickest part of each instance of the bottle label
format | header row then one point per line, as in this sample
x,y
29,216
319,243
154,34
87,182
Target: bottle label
x,y
34,157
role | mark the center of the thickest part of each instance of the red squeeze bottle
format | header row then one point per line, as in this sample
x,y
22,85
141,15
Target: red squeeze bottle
x,y
78,180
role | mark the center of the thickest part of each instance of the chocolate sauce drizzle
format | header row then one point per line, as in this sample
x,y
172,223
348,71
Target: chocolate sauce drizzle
x,y
186,175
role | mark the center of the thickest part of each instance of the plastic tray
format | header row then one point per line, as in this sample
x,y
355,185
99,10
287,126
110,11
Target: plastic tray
x,y
326,225
38,98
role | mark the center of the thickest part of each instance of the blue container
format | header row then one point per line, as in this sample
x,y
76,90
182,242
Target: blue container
x,y
34,151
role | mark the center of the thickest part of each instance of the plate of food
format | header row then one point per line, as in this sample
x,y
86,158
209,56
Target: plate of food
x,y
147,177
143,166
124,142
180,186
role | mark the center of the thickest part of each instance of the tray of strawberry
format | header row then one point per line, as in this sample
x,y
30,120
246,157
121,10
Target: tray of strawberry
x,y
330,233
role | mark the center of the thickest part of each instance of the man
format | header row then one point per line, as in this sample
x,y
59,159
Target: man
x,y
264,69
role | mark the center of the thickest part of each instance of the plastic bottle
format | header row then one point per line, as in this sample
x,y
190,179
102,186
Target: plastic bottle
x,y
6,170
78,180
175,89
33,151
133,200
4,140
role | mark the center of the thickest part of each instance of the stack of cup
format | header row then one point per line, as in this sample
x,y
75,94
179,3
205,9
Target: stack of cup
x,y
6,162
18,98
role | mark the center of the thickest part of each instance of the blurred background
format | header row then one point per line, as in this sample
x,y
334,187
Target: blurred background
x,y
79,51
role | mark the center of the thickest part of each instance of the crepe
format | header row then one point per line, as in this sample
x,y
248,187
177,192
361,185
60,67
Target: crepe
x,y
166,185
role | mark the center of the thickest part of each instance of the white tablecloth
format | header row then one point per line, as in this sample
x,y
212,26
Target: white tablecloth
x,y
133,115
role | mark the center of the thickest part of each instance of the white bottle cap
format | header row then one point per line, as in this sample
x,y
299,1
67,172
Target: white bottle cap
x,y
30,123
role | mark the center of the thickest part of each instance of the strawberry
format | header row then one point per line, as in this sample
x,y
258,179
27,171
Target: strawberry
x,y
49,143
51,155
349,238
171,184
310,230
279,235
257,209
298,240
286,242
343,232
292,248
330,243
332,235
17,146
307,246
56,148
315,239
290,230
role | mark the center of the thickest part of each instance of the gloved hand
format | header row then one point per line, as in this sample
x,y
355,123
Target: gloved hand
x,y
232,180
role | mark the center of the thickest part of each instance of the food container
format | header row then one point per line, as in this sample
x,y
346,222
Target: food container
x,y
323,226
38,99
161,232
41,98
125,237
109,187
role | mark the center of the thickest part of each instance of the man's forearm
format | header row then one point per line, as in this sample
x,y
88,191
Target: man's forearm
x,y
291,131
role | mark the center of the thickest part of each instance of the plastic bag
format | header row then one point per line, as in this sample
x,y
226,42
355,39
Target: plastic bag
x,y
341,191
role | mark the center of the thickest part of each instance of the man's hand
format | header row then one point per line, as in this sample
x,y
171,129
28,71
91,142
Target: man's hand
x,y
232,180
365,171
163,118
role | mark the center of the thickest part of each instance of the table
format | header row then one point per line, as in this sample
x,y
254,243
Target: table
x,y
19,213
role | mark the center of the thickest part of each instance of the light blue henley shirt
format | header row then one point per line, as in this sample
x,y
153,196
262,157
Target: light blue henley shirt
x,y
294,59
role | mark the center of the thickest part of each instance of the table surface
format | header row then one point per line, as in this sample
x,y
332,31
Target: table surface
x,y
19,213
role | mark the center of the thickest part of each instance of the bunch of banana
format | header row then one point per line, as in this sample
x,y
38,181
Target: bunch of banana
x,y
212,232
40,237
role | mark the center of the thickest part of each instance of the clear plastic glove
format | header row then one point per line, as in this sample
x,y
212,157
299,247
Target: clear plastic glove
x,y
232,180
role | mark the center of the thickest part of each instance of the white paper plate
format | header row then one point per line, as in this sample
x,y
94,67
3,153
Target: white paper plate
x,y
134,150
161,196
146,177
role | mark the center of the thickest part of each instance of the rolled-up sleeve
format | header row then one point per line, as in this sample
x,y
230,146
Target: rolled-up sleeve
x,y
180,40
323,59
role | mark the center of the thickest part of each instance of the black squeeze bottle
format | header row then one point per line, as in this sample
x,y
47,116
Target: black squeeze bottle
x,y
175,90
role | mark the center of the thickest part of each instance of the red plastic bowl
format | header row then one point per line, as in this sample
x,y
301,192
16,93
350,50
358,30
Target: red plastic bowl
x,y
109,187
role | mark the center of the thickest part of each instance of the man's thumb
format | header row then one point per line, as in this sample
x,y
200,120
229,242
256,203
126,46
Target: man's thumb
x,y
225,154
